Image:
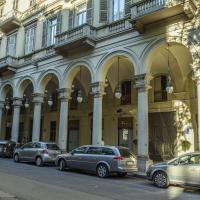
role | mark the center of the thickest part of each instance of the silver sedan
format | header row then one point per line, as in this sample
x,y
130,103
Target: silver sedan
x,y
183,170
103,160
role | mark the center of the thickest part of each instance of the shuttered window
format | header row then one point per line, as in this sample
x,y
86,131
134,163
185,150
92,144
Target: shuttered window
x,y
11,45
89,11
103,18
52,31
29,40
118,9
15,4
81,12
127,7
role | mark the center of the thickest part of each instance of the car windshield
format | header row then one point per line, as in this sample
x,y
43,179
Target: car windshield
x,y
52,146
125,153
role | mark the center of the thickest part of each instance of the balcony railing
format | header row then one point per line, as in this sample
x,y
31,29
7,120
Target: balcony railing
x,y
8,64
79,36
10,20
149,11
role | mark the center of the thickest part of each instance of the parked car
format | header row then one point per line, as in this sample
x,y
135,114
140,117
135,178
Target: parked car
x,y
184,170
103,160
7,148
38,152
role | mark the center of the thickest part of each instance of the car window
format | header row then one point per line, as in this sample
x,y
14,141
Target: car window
x,y
28,145
107,151
37,145
125,153
52,146
80,150
95,150
195,160
185,160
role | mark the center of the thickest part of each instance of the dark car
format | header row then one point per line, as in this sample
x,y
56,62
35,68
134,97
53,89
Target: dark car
x,y
7,148
183,170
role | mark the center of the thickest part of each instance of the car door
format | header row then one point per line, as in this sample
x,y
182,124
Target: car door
x,y
193,171
177,170
24,152
76,158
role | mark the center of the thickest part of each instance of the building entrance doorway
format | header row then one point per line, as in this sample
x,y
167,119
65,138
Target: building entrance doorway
x,y
162,136
73,135
125,132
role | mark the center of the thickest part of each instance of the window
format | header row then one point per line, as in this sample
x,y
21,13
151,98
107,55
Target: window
x,y
29,145
37,145
53,131
195,160
118,9
126,93
160,93
95,150
81,14
29,40
15,4
80,150
107,151
11,45
184,160
52,30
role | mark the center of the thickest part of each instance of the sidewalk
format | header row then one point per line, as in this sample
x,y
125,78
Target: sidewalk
x,y
6,196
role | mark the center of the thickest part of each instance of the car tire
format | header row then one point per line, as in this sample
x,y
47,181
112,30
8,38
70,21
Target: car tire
x,y
160,179
16,158
39,161
122,174
61,165
102,171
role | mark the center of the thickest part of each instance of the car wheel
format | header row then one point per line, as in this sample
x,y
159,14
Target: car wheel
x,y
102,171
39,161
122,174
62,165
16,158
160,179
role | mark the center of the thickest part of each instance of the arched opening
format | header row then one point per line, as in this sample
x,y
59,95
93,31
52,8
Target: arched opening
x,y
6,126
172,113
119,103
78,79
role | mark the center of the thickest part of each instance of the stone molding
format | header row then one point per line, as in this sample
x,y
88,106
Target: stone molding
x,y
64,94
38,98
98,89
17,102
142,82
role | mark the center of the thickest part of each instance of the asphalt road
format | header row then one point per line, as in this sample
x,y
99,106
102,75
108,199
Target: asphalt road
x,y
28,182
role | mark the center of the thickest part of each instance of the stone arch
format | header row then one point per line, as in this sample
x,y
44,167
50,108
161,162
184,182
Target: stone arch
x,y
4,89
22,85
45,77
102,68
73,69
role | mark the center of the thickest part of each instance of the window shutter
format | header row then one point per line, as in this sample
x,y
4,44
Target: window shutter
x,y
59,23
44,36
127,7
103,18
71,19
89,11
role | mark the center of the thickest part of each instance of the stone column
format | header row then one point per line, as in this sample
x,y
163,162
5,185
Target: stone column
x,y
17,103
142,85
1,115
98,92
37,100
64,96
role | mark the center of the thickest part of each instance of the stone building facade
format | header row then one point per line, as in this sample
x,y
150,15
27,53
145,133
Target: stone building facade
x,y
117,72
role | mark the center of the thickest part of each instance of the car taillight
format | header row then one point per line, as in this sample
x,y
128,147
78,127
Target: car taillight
x,y
44,151
118,158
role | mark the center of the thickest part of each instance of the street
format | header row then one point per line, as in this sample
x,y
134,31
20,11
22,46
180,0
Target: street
x,y
28,182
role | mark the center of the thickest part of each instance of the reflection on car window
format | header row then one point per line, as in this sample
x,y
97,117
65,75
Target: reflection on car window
x,y
37,145
29,145
80,150
107,151
195,160
184,160
94,150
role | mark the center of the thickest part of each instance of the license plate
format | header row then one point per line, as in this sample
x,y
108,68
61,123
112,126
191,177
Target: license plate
x,y
129,163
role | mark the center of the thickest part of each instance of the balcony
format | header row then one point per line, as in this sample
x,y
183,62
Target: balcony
x,y
149,11
10,21
79,38
7,65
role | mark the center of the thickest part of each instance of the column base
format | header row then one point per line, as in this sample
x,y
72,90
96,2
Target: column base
x,y
143,163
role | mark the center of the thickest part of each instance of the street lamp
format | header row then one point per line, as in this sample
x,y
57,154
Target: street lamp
x,y
7,104
118,93
169,87
50,101
80,95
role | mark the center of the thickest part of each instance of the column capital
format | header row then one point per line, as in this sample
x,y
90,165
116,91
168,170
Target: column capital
x,y
64,94
98,89
142,82
38,98
17,101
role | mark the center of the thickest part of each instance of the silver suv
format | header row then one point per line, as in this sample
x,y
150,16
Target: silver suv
x,y
103,160
38,152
